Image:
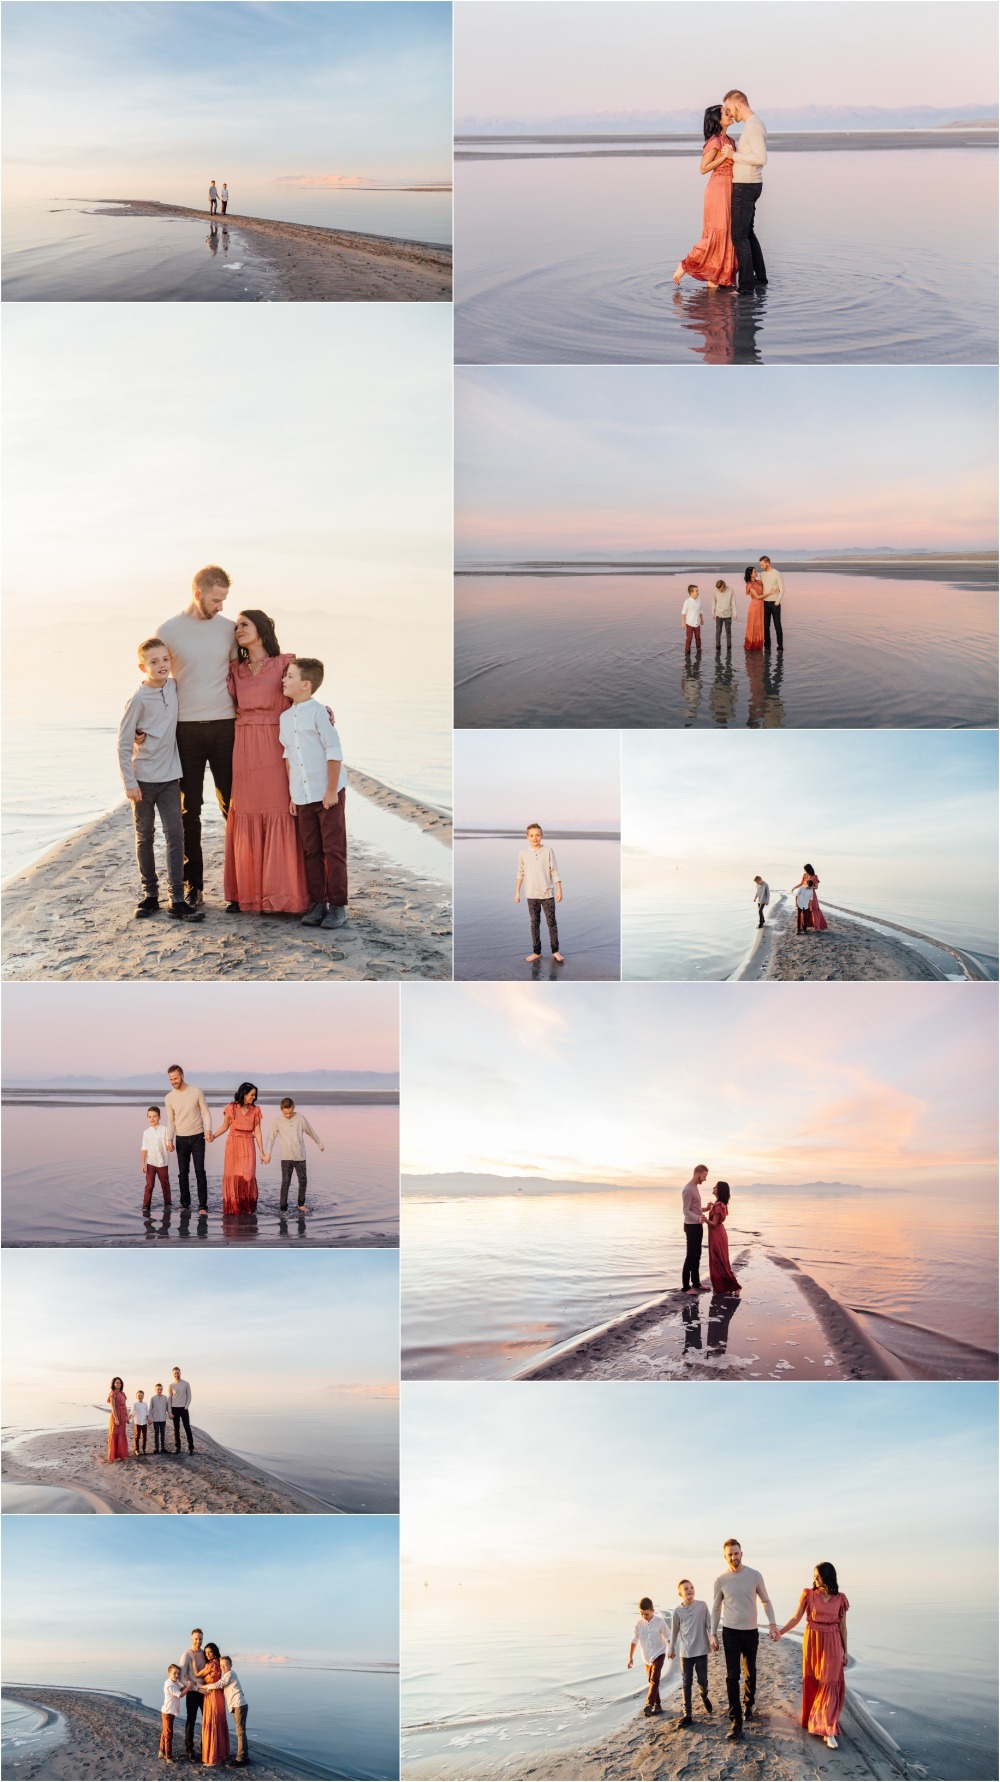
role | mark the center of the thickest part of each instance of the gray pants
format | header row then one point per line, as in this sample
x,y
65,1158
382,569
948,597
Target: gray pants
x,y
728,623
163,796
240,1718
288,1164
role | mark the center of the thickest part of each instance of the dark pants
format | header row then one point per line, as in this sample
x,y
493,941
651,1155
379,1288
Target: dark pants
x,y
323,835
653,1677
166,1735
772,616
803,920
692,635
159,1436
760,915
749,258
728,623
182,1417
691,1272
193,1705
740,1646
156,1172
139,1437
225,205
287,1166
201,745
213,205
240,1719
191,1150
535,907
690,1668
163,796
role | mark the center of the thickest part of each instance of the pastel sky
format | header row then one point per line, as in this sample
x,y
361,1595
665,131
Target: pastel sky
x,y
514,777
561,460
105,1029
149,99
67,1329
632,1084
317,1587
513,60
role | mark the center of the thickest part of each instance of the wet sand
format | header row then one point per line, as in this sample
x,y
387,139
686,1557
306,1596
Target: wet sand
x,y
70,915
845,952
317,265
115,1738
211,1481
783,1326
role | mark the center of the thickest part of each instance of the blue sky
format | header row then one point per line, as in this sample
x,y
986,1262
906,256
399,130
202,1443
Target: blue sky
x,y
560,459
291,1586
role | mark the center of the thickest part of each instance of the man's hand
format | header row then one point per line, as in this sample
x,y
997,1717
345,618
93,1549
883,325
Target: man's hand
x,y
266,1157
713,1642
322,1147
210,1138
670,1654
775,1632
170,1147
629,1665
134,794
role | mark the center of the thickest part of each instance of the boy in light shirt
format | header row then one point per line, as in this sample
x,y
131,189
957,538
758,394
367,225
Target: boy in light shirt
x,y
291,1131
650,1634
536,866
159,1405
140,1417
690,1631
691,616
236,1702
173,1690
723,612
150,766
153,1156
317,791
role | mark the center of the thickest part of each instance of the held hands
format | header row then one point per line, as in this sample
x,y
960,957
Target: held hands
x,y
775,1632
266,1157
170,1147
713,1642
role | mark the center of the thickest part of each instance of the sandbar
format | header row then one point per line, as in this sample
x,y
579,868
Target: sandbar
x,y
845,952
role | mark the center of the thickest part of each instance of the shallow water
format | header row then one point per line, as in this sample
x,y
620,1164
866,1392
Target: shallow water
x,y
489,1282
36,1500
607,651
570,259
492,932
71,1176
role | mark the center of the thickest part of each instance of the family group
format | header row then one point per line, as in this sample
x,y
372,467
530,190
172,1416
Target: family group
x,y
765,589
809,918
207,1684
175,1403
189,1129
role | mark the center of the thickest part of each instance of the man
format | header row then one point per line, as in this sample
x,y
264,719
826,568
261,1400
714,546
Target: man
x,y
202,643
749,161
180,1410
691,1205
159,1405
189,1124
193,1665
774,588
761,897
735,1599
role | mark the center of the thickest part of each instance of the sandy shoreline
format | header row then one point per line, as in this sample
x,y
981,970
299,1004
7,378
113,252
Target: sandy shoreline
x,y
70,915
318,265
117,1739
211,1481
846,952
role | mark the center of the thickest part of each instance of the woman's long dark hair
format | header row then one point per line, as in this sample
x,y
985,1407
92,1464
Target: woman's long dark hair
x,y
750,572
119,1382
243,1091
828,1574
212,1651
811,870
264,627
722,1192
712,121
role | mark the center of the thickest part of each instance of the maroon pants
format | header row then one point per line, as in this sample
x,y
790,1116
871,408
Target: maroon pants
x,y
166,1735
653,1673
156,1173
692,635
323,835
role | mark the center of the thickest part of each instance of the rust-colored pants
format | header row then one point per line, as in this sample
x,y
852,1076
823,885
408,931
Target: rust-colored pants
x,y
323,835
166,1736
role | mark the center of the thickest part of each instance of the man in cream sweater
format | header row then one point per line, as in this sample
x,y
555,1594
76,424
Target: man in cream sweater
x,y
737,1592
749,162
202,644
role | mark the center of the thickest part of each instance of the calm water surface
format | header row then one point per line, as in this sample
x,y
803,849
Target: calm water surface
x,y
570,259
606,651
490,1281
492,932
71,1176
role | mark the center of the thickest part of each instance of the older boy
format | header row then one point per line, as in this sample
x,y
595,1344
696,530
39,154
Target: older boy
x,y
317,789
236,1702
538,873
650,1634
689,1636
723,612
291,1131
159,1405
761,897
150,767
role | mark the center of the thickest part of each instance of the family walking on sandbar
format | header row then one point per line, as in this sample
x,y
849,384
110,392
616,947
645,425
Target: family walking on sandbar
x,y
729,253
765,591
696,1217
809,918
691,1633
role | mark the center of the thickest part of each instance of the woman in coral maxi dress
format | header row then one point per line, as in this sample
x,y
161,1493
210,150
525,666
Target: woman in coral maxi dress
x,y
265,867
713,258
214,1726
754,636
811,878
118,1421
720,1274
824,1653
242,1121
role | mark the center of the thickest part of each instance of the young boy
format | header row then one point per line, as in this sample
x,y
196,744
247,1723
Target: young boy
x,y
173,1689
151,774
803,909
689,1635
761,897
236,1702
291,1131
723,612
140,1417
153,1160
159,1405
691,615
650,1633
317,787
538,872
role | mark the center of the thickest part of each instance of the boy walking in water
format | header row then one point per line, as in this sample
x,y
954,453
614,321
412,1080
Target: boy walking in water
x,y
723,612
761,897
153,1160
151,774
689,1635
691,615
317,790
650,1635
291,1131
538,873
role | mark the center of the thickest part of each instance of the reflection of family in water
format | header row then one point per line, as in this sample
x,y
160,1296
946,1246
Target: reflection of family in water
x,y
765,590
725,1288
728,254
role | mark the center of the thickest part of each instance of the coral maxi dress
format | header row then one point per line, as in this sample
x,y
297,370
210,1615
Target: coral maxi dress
x,y
214,1726
720,1274
239,1167
713,258
823,1687
754,636
118,1426
265,867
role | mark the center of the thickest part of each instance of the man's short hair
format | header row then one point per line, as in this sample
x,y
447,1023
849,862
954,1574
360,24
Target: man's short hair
x,y
735,93
311,670
701,1166
176,1370
757,879
645,1602
732,1542
150,643
210,577
195,1630
286,1102
179,1068
763,558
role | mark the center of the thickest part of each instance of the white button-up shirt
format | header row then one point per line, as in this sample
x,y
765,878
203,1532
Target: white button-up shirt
x,y
650,1636
691,610
309,741
140,1412
154,1143
171,1696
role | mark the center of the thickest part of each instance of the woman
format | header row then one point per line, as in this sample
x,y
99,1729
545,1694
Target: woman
x,y
265,868
824,1653
118,1422
214,1726
754,636
811,878
720,1274
713,258
242,1120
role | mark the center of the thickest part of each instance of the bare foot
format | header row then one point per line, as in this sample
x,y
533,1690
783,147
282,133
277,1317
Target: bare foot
x,y
558,958
679,274
710,287
305,1209
532,958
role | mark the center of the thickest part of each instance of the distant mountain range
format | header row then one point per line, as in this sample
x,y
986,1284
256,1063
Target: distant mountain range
x,y
465,1182
678,554
792,117
220,1079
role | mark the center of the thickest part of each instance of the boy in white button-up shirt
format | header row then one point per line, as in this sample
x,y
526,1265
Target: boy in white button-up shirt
x,y
173,1691
650,1634
154,1159
317,787
140,1418
691,615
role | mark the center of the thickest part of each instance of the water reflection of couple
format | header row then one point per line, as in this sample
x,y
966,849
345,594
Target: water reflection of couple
x,y
729,250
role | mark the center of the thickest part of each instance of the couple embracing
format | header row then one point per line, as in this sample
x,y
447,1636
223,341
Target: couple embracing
x,y
729,252
696,1217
